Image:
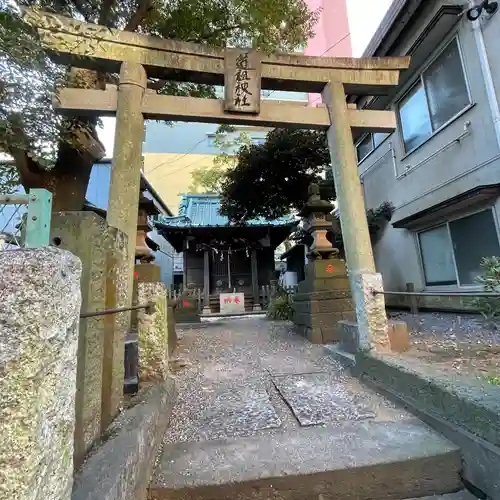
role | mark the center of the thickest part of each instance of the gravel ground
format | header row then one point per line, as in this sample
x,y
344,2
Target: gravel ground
x,y
461,343
450,328
249,376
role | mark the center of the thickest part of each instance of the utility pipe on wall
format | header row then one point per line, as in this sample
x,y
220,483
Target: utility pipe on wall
x,y
487,76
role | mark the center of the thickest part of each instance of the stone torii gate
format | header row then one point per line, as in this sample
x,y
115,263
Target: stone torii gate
x,y
243,72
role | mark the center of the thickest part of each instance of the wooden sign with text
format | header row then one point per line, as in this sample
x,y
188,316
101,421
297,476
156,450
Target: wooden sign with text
x,y
242,80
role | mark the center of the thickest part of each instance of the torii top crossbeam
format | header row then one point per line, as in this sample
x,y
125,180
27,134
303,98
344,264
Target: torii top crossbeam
x,y
98,47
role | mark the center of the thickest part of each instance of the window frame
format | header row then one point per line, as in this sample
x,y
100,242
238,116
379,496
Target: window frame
x,y
447,223
372,140
419,80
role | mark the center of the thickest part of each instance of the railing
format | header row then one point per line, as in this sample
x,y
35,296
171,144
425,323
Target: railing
x,y
413,296
266,294
149,309
25,219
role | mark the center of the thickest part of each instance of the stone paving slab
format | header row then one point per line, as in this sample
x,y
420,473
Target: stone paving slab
x,y
236,409
320,398
223,409
283,364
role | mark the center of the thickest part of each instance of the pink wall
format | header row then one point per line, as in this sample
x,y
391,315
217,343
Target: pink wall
x,y
332,36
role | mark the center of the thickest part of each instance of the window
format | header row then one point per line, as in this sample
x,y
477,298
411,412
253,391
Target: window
x,y
368,144
451,253
439,95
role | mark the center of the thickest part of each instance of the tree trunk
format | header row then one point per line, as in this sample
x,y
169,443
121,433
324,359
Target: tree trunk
x,y
78,151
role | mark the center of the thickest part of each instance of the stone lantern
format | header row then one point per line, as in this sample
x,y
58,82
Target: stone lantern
x,y
324,297
143,251
316,224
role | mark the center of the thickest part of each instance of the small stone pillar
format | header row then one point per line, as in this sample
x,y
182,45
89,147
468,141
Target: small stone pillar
x,y
364,280
323,297
39,314
153,331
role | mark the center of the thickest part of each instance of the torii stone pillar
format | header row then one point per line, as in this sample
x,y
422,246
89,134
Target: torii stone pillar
x,y
127,158
370,308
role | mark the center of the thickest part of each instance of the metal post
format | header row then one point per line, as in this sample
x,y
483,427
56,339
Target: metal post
x,y
410,287
38,223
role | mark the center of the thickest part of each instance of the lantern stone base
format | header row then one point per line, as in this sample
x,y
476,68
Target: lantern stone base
x,y
323,299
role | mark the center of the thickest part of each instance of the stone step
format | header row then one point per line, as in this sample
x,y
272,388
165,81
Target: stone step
x,y
361,460
461,495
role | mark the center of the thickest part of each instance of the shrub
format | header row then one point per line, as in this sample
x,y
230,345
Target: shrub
x,y
489,307
281,307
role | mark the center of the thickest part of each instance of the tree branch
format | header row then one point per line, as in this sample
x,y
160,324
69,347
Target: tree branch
x,y
222,29
143,7
106,8
82,7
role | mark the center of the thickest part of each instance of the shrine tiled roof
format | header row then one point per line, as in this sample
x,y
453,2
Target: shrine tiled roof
x,y
202,210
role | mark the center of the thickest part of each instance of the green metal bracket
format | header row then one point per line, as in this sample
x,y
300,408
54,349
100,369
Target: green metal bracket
x,y
38,223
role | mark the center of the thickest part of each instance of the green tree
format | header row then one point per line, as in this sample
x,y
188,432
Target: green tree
x,y
210,179
207,180
58,154
272,179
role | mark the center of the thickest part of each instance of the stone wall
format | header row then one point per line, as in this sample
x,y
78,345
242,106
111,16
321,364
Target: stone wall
x,y
40,298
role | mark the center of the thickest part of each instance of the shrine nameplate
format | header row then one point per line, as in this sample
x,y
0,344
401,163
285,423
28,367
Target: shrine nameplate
x,y
232,303
242,72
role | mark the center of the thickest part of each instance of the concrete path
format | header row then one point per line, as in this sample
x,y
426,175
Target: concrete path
x,y
252,388
251,376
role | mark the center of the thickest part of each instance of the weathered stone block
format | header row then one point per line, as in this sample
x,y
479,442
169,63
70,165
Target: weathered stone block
x,y
153,332
322,295
121,468
116,326
399,338
325,269
330,334
370,312
148,272
40,306
82,234
322,300
103,252
348,336
187,310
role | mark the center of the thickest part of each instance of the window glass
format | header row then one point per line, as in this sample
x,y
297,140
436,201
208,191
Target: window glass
x,y
437,257
379,138
364,148
473,238
445,86
414,118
